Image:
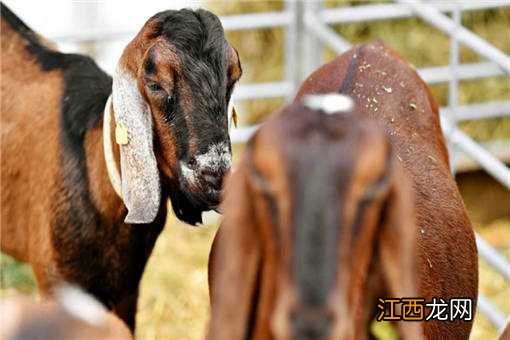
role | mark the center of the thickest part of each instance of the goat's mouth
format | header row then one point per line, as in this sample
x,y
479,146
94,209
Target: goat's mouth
x,y
208,196
201,187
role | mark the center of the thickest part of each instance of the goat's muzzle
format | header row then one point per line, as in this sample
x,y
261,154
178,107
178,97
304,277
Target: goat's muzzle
x,y
203,174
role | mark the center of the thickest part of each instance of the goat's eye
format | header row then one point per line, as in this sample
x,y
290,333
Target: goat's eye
x,y
154,87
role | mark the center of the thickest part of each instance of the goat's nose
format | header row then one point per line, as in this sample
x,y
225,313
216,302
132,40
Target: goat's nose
x,y
213,178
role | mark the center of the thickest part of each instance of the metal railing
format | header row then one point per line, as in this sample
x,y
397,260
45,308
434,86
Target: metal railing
x,y
307,31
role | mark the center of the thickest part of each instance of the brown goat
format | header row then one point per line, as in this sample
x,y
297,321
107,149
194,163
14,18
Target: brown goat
x,y
318,217
72,315
60,204
388,89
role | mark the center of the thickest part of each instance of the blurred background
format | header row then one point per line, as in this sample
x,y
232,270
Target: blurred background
x,y
461,48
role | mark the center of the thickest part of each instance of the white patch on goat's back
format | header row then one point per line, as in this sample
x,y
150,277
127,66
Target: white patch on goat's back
x,y
329,103
82,305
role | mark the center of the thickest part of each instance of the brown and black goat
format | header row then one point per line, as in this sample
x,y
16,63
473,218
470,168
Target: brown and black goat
x,y
389,90
169,94
318,217
70,314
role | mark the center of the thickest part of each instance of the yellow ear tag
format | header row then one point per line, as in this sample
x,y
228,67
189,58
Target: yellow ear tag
x,y
121,134
234,117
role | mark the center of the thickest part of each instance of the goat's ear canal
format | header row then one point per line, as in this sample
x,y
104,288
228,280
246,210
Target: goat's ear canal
x,y
141,190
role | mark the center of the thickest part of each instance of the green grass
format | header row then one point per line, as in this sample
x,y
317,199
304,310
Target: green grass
x,y
15,276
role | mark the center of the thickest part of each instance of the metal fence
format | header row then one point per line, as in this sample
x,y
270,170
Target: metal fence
x,y
307,32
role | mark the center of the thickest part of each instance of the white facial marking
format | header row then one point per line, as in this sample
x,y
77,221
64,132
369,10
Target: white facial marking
x,y
216,159
81,305
329,103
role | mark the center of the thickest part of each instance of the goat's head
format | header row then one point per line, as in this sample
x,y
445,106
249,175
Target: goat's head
x,y
326,209
175,80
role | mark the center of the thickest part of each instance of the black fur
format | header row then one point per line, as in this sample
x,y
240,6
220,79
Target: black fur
x,y
149,67
316,225
18,25
186,208
199,39
346,86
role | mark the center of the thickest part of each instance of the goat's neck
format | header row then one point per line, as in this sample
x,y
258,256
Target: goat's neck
x,y
102,194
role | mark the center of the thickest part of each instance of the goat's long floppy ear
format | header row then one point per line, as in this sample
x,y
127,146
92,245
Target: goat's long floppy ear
x,y
141,190
398,244
234,264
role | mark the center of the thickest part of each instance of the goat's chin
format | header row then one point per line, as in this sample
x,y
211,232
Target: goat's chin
x,y
189,201
186,207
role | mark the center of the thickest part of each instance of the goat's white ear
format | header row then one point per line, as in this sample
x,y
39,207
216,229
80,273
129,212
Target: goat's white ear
x,y
140,181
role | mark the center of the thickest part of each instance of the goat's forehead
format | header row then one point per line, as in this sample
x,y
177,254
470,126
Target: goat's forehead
x,y
192,35
355,146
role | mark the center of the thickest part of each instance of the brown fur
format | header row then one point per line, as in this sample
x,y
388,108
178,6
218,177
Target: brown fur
x,y
28,144
254,279
405,108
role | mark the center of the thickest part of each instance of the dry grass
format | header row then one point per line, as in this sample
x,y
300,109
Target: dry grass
x,y
261,52
174,300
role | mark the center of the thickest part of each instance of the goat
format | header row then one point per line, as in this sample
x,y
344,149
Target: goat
x,y
72,315
389,90
317,215
169,98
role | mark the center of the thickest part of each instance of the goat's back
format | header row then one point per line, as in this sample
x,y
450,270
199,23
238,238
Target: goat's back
x,y
388,89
